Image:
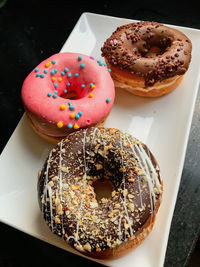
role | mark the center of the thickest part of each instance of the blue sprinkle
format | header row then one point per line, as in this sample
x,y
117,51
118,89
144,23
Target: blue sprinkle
x,y
55,96
65,91
76,74
62,73
80,113
36,70
45,71
91,84
70,126
55,91
68,84
71,107
107,100
37,75
52,72
82,66
42,75
77,116
53,61
66,69
69,103
79,58
109,70
55,85
49,94
69,75
83,85
55,70
104,64
98,61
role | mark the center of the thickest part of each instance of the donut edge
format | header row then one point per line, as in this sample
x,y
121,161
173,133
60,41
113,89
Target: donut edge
x,y
137,86
56,140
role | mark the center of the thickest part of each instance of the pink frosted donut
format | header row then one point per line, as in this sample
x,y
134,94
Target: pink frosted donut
x,y
66,92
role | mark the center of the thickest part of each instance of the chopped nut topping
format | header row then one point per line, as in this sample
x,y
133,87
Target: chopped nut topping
x,y
131,206
64,169
51,183
93,205
112,131
59,209
122,169
57,220
55,178
87,247
99,166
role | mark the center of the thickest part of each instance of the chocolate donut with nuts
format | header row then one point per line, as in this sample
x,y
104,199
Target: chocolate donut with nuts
x,y
111,226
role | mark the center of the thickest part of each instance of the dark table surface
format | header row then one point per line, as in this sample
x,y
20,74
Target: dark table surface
x,y
31,31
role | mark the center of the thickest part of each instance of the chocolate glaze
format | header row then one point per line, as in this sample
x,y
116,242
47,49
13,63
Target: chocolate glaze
x,y
67,198
127,48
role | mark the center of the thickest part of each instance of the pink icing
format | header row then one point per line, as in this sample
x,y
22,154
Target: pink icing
x,y
42,107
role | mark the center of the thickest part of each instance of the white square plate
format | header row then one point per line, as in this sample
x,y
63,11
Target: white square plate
x,y
162,123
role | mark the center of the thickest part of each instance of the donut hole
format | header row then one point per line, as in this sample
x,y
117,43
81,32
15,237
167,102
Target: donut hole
x,y
69,95
153,52
102,189
76,90
154,46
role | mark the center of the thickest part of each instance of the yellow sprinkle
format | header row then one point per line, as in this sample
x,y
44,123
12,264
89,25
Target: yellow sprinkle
x,y
60,124
62,107
72,115
53,79
93,86
76,126
60,79
91,95
47,64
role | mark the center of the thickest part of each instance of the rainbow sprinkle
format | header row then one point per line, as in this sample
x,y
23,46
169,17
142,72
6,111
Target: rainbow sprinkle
x,y
72,115
62,107
47,64
70,126
60,124
76,126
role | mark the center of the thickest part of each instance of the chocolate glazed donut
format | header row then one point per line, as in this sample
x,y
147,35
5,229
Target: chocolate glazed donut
x,y
109,227
149,51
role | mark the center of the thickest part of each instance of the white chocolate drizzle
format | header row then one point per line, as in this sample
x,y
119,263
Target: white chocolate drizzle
x,y
138,181
145,163
123,181
47,189
84,184
59,170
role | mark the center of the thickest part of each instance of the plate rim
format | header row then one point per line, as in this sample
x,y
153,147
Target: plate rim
x,y
189,123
